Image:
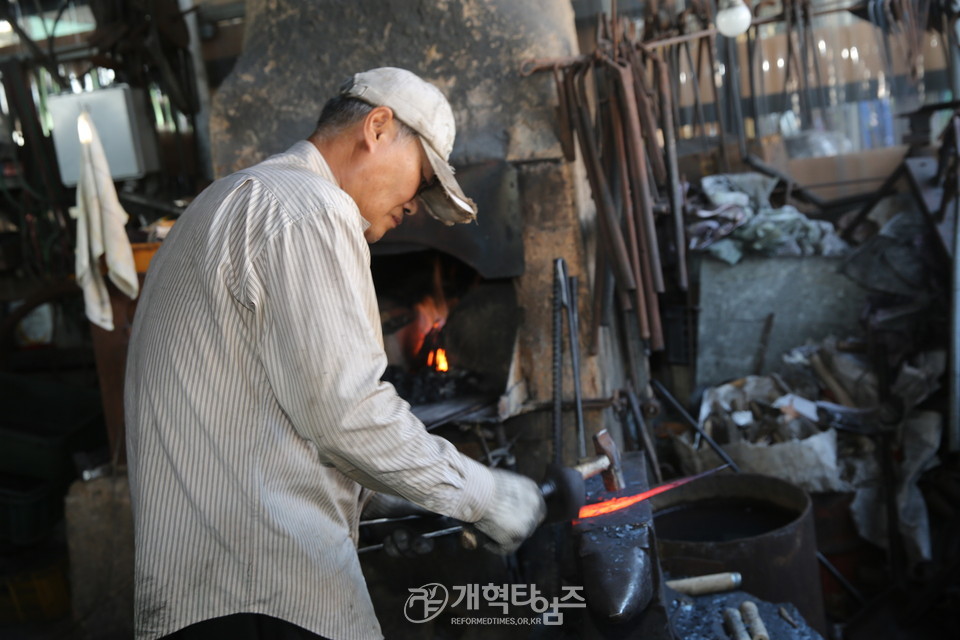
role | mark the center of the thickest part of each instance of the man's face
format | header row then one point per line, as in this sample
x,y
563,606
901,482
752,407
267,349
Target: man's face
x,y
394,179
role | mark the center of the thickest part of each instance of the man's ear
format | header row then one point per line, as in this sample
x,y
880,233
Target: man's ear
x,y
376,124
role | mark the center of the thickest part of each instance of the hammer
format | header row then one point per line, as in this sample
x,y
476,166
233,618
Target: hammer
x,y
563,487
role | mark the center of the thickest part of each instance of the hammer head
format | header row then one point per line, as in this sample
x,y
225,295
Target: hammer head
x,y
612,475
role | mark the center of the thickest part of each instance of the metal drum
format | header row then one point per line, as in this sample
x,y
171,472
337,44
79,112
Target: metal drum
x,y
757,525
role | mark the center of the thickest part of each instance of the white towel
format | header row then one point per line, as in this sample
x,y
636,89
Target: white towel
x,y
101,230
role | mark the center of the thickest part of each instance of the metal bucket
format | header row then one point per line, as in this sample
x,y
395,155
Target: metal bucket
x,y
757,525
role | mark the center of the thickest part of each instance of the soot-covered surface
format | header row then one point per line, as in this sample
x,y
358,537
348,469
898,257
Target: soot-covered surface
x,y
701,617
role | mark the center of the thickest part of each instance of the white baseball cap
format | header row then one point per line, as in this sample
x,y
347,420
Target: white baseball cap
x,y
422,107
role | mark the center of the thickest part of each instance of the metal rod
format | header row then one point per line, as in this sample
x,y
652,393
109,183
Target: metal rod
x,y
439,422
673,173
711,47
615,243
35,51
953,419
559,300
663,393
536,65
644,433
364,523
573,327
431,534
629,219
643,200
842,579
600,282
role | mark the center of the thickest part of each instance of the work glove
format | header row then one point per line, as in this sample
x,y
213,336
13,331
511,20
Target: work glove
x,y
516,510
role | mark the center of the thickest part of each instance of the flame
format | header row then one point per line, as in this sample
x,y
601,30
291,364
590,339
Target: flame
x,y
422,337
431,315
615,504
438,359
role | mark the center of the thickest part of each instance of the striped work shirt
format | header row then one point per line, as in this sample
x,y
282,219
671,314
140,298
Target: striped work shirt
x,y
255,411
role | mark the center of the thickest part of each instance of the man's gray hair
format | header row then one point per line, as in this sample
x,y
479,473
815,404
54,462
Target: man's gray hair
x,y
342,112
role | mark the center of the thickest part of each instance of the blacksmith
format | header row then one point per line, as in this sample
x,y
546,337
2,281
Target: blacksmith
x,y
257,423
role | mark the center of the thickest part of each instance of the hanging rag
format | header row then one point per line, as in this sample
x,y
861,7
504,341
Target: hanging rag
x,y
101,230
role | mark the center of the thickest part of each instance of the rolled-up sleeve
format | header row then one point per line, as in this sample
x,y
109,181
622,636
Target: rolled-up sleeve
x,y
322,351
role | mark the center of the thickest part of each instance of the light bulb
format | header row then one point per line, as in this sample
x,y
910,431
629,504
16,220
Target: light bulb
x,y
733,18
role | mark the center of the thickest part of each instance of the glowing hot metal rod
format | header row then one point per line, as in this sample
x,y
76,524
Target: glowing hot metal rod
x,y
615,504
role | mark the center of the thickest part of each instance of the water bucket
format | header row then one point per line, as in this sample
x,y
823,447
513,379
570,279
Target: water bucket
x,y
757,525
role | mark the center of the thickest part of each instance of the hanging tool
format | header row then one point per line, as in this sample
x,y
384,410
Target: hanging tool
x,y
637,162
606,218
637,254
642,204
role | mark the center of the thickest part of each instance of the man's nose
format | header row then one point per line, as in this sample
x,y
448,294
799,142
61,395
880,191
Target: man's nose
x,y
412,206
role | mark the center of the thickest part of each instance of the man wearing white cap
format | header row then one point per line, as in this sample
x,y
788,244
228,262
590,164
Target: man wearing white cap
x,y
257,423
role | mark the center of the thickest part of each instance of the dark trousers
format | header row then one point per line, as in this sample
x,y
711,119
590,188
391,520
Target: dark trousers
x,y
244,626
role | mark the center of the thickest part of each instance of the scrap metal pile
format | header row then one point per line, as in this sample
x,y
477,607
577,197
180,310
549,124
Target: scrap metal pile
x,y
819,423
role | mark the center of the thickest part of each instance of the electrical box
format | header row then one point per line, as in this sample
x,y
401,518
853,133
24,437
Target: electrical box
x,y
119,114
